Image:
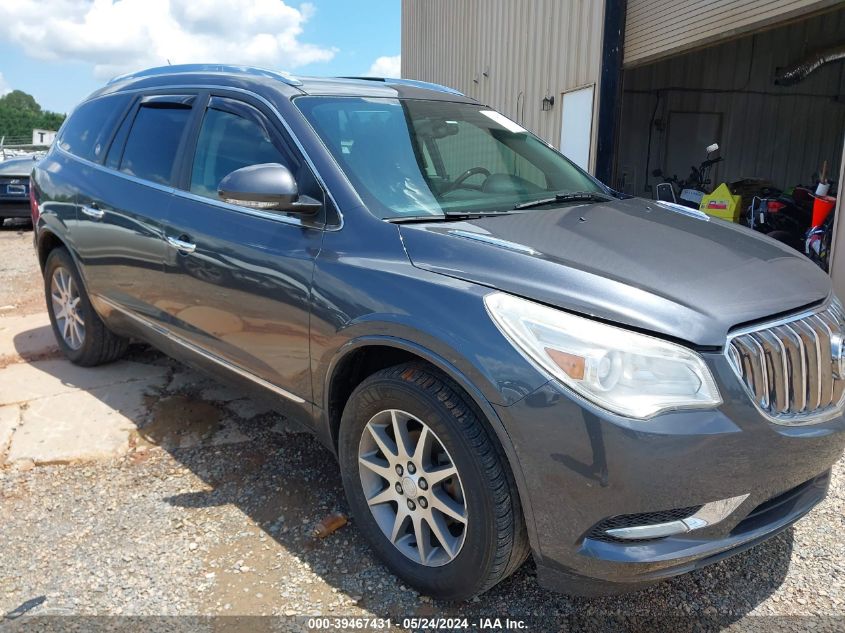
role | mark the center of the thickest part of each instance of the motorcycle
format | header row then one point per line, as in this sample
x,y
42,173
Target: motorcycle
x,y
783,217
817,243
689,192
819,238
787,217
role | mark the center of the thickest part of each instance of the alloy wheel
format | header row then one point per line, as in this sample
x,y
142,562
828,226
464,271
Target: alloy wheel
x,y
66,309
412,487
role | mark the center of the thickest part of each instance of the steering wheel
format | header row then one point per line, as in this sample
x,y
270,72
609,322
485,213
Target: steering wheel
x,y
467,174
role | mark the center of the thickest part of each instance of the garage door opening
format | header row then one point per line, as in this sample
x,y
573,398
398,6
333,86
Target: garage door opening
x,y
773,102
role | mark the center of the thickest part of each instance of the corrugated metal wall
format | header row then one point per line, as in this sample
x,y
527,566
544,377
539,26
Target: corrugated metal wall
x,y
506,54
768,131
656,28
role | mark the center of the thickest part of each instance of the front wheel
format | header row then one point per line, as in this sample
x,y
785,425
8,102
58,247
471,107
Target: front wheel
x,y
428,484
79,331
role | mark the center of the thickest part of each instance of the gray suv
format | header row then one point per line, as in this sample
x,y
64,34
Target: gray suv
x,y
506,357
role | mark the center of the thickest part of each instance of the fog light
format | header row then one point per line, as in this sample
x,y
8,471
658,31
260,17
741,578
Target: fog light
x,y
709,514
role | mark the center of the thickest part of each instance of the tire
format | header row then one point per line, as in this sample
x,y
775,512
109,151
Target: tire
x,y
92,343
491,543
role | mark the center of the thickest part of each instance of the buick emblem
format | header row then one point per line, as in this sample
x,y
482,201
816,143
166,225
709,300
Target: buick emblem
x,y
837,359
14,181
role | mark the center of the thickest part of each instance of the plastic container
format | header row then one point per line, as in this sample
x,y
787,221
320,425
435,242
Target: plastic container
x,y
721,204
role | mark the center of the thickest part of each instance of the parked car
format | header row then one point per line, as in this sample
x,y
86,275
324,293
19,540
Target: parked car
x,y
506,358
14,187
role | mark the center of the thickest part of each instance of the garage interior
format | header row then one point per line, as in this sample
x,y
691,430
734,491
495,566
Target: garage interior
x,y
774,101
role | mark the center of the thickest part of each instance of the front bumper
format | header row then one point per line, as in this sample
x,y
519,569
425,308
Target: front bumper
x,y
582,465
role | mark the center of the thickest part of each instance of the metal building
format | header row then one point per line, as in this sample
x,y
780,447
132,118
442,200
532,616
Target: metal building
x,y
503,55
625,88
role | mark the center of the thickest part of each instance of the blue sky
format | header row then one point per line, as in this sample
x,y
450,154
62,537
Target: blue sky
x,y
61,58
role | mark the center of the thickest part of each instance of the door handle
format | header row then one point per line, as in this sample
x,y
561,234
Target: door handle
x,y
93,212
181,245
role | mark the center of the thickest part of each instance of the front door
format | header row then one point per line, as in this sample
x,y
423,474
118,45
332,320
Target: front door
x,y
239,280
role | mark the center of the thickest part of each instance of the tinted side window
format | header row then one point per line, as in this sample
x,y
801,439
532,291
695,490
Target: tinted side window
x,y
116,148
89,127
153,141
227,142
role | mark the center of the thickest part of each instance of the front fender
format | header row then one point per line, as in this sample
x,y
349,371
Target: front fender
x,y
473,348
466,383
409,345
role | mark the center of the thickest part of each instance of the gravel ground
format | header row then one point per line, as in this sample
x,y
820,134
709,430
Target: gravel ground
x,y
189,524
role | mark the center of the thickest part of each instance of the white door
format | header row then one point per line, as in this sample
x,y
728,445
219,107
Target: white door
x,y
577,126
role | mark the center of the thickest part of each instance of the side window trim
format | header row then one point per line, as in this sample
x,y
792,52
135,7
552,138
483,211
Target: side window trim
x,y
168,100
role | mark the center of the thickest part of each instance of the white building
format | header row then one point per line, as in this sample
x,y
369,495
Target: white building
x,y
43,137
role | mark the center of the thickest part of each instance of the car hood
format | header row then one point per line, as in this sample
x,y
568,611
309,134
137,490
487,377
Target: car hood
x,y
631,261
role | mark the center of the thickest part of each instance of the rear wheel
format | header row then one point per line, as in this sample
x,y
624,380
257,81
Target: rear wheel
x,y
428,485
79,331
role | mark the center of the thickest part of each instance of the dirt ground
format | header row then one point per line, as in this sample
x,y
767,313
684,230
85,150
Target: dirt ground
x,y
20,284
207,503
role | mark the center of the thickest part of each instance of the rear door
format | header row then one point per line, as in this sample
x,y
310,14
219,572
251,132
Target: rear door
x,y
239,279
120,236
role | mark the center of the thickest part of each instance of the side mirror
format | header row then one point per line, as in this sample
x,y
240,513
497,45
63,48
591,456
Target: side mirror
x,y
712,148
269,186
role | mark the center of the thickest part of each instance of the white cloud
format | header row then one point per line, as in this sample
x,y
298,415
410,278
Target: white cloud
x,y
4,86
119,36
386,67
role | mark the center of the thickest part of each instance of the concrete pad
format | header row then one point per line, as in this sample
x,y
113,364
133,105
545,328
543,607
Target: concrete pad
x,y
188,379
26,338
248,408
30,381
180,421
9,420
79,425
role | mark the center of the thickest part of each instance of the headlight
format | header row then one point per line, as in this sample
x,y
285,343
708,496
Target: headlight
x,y
624,372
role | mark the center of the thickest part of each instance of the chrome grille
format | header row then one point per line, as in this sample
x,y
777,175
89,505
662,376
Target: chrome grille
x,y
790,368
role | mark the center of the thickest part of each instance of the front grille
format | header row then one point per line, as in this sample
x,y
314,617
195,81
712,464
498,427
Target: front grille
x,y
599,531
790,368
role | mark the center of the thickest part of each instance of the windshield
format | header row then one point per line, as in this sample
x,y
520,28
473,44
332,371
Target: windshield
x,y
413,157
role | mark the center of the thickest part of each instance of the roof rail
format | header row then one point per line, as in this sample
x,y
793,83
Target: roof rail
x,y
411,82
209,68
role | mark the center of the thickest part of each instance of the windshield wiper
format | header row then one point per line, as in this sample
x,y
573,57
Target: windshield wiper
x,y
448,217
575,196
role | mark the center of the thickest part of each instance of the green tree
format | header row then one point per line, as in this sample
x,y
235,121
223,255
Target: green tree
x,y
20,113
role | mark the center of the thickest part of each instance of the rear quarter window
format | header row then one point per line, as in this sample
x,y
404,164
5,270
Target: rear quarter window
x,y
90,126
